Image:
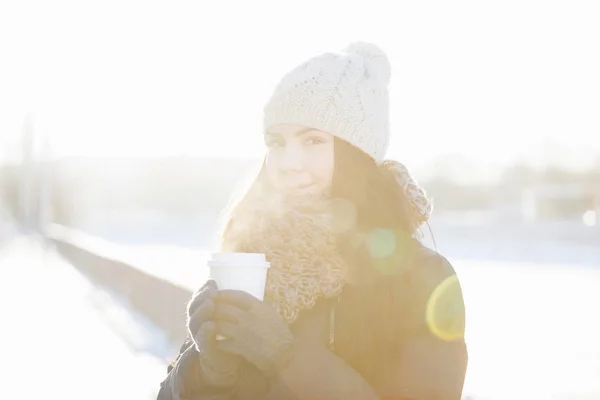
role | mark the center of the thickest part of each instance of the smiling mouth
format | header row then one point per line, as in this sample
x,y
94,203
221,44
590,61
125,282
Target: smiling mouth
x,y
301,188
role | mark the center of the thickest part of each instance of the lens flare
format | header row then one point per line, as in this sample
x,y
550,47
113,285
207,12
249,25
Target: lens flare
x,y
445,310
381,243
589,218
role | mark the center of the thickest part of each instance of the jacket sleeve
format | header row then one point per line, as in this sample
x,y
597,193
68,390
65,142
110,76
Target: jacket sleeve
x,y
432,364
183,381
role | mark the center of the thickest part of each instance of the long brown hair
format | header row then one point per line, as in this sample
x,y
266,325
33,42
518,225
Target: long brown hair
x,y
380,245
373,317
382,212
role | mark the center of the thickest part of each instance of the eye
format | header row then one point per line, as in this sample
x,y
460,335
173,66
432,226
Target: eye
x,y
273,142
314,140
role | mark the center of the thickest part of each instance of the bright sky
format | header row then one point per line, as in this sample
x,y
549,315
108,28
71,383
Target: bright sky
x,y
491,80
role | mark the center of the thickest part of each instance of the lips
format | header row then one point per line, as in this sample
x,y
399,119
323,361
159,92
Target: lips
x,y
301,188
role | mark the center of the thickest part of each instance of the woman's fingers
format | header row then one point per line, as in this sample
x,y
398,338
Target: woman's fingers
x,y
227,329
229,346
237,298
211,284
207,334
228,313
207,291
231,332
204,313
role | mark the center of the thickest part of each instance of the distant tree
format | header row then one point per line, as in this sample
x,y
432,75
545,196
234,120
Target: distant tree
x,y
518,176
63,207
9,189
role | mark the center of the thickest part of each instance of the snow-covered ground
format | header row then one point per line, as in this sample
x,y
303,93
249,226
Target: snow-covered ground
x,y
532,298
532,330
64,338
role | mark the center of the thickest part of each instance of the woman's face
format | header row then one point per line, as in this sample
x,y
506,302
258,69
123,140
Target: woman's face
x,y
299,160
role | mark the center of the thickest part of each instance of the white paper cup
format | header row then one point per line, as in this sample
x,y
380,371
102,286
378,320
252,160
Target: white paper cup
x,y
240,271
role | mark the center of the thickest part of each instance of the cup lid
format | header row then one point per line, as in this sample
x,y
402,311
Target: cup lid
x,y
239,258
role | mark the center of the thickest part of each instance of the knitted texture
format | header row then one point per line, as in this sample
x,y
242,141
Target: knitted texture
x,y
258,334
298,242
420,204
344,94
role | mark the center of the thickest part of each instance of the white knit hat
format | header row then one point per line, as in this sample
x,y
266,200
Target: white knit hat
x,y
344,94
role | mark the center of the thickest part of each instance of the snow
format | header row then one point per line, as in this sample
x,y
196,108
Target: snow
x,y
57,339
532,299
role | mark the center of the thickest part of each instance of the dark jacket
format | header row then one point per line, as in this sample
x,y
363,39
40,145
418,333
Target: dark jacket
x,y
414,359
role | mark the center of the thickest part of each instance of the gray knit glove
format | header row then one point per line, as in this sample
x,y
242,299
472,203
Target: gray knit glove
x,y
254,330
217,368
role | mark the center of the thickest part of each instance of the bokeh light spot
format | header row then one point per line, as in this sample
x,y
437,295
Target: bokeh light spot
x,y
357,240
589,218
445,314
381,243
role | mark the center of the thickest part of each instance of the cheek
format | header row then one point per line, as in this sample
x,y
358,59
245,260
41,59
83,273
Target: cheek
x,y
272,168
323,163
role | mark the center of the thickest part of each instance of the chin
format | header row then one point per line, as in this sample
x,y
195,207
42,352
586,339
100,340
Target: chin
x,y
306,195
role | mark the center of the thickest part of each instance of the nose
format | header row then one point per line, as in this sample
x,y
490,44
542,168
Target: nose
x,y
293,159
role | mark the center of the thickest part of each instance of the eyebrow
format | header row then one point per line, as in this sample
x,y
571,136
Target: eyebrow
x,y
299,133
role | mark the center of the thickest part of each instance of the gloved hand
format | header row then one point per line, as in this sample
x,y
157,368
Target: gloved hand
x,y
254,330
218,368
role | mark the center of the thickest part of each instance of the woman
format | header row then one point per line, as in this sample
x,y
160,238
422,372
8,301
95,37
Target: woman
x,y
355,306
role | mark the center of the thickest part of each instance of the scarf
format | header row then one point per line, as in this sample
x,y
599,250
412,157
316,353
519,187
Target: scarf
x,y
298,240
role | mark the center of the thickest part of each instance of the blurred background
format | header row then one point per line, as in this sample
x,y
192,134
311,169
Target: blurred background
x,y
126,127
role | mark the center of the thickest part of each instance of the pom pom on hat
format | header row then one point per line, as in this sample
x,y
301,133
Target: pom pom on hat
x,y
373,53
